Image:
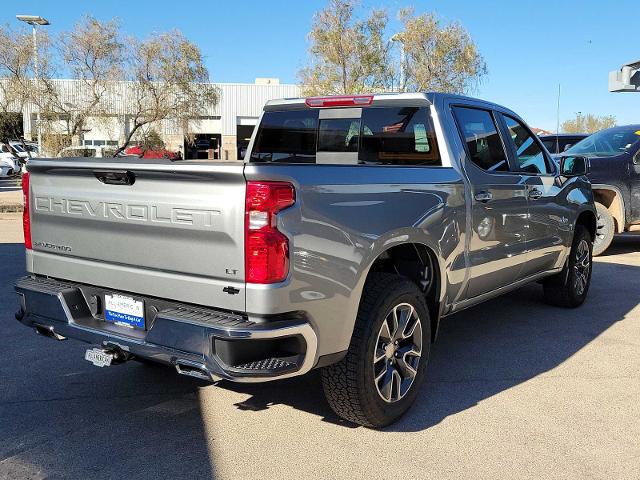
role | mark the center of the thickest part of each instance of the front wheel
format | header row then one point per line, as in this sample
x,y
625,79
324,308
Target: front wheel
x,y
569,287
379,378
605,229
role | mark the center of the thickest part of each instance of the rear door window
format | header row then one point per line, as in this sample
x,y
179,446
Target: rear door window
x,y
480,134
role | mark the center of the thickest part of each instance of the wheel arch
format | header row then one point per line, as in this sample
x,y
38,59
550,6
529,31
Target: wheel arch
x,y
611,197
588,219
419,263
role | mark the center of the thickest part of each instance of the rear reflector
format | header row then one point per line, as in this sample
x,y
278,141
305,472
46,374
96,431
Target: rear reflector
x,y
343,101
266,249
26,218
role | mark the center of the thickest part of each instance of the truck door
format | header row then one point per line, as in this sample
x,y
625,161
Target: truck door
x,y
499,216
549,229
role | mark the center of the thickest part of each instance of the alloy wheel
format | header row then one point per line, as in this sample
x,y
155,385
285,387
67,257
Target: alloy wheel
x,y
582,267
602,230
397,352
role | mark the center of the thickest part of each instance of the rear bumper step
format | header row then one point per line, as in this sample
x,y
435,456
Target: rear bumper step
x,y
200,342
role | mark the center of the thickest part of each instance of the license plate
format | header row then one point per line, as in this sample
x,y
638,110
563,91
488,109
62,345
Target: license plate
x,y
123,310
98,357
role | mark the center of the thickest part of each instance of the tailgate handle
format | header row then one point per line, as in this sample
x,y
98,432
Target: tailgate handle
x,y
115,177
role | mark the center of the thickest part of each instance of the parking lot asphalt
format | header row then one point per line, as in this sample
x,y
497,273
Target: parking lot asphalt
x,y
516,389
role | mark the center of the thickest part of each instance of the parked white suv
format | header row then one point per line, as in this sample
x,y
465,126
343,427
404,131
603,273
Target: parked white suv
x,y
25,150
8,163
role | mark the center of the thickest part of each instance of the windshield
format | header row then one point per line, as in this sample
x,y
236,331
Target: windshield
x,y
607,143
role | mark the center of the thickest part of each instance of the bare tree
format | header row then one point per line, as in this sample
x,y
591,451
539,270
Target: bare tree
x,y
588,123
346,55
16,85
169,82
438,57
93,54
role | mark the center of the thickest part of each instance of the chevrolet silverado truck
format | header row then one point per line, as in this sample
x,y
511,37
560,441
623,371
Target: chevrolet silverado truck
x,y
355,224
614,159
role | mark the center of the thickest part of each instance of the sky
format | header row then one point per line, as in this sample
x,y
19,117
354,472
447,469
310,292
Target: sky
x,y
530,47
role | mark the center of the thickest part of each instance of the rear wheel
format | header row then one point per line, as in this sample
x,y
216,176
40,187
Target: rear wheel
x,y
379,378
605,229
569,288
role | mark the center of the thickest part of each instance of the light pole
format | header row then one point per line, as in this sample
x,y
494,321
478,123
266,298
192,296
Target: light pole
x,y
398,38
35,20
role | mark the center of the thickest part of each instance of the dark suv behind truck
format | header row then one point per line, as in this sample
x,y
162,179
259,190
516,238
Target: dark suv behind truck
x,y
614,155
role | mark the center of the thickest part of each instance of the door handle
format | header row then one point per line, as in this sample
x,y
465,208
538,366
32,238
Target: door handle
x,y
483,196
535,194
115,177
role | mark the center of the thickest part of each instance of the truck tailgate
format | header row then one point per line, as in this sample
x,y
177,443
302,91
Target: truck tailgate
x,y
176,232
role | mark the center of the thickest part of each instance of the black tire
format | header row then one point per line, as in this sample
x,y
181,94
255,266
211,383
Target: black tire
x,y
350,385
563,289
605,229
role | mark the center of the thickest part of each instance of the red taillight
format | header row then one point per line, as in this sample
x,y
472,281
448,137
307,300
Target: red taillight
x,y
266,249
26,218
343,101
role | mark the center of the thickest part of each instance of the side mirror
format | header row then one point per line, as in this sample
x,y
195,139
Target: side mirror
x,y
574,166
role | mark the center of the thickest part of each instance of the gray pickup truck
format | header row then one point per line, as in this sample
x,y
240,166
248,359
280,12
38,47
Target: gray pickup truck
x,y
353,227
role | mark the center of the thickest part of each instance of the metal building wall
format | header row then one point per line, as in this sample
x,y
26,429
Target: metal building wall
x,y
247,100
236,100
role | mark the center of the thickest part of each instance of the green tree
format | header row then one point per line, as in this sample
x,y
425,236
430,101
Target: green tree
x,y
588,123
346,55
151,140
349,55
438,57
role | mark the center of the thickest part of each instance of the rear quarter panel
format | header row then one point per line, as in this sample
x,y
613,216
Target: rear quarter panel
x,y
343,219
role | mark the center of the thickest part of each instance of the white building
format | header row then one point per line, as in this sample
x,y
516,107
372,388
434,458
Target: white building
x,y
227,126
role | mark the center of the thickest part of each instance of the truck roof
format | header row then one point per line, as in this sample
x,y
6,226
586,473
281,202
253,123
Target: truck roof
x,y
428,98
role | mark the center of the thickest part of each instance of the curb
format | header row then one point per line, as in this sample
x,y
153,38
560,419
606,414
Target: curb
x,y
11,208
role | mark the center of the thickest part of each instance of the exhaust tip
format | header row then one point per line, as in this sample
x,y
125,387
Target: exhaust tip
x,y
194,370
47,331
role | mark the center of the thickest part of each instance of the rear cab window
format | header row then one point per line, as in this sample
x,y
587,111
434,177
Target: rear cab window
x,y
399,135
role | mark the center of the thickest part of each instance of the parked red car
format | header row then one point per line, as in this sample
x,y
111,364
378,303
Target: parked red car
x,y
150,153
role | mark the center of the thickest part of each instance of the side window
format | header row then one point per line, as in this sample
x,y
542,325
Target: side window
x,y
480,133
398,136
529,154
286,137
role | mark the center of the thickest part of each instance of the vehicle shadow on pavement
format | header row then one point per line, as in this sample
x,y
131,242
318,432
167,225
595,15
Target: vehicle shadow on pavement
x,y
61,417
623,243
486,349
